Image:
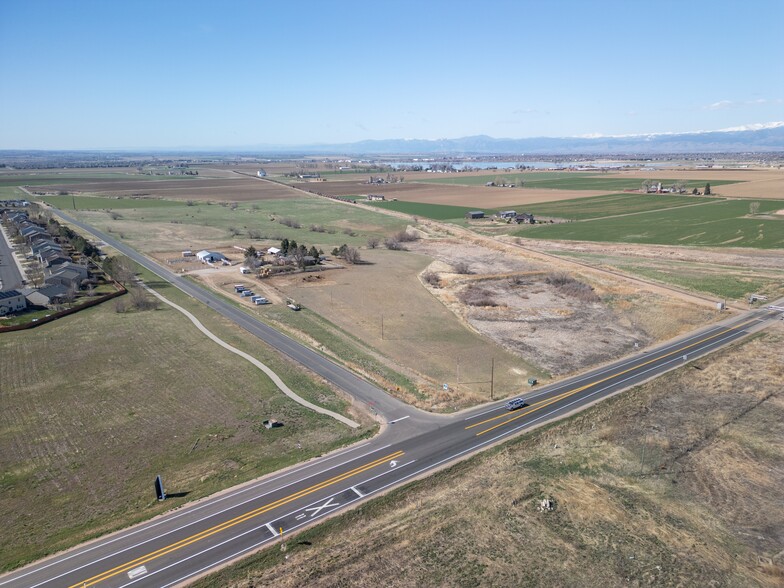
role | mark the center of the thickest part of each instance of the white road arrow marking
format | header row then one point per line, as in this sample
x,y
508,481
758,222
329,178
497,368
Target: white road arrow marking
x,y
318,509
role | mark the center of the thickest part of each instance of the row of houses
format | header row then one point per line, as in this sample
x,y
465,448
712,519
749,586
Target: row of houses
x,y
16,203
44,248
62,277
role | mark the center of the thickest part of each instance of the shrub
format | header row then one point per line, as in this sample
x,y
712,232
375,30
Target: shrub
x,y
317,229
290,222
568,286
393,244
431,277
461,267
477,296
405,237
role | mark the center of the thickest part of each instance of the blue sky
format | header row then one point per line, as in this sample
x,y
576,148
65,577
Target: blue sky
x,y
169,74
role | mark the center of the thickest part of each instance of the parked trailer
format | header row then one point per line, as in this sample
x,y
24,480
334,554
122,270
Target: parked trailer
x,y
246,293
261,300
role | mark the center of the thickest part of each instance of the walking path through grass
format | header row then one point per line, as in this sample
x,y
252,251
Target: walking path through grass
x,y
272,375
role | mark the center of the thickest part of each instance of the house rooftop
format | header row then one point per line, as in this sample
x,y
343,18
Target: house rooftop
x,y
9,294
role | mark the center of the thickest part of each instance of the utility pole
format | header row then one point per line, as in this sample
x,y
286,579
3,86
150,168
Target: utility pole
x,y
492,376
382,326
457,386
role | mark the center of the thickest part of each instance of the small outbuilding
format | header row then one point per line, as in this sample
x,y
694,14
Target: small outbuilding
x,y
473,214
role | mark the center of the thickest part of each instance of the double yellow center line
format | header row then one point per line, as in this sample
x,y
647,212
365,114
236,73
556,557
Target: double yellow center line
x,y
232,522
544,403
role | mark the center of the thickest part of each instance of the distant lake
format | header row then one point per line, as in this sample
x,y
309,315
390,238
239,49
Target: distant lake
x,y
479,165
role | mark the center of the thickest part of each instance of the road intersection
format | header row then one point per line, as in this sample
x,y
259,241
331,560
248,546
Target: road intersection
x,y
197,538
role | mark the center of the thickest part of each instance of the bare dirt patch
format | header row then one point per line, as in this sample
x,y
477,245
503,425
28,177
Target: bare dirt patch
x,y
559,328
470,196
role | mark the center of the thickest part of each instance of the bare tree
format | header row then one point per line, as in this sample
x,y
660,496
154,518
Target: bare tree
x,y
754,207
373,242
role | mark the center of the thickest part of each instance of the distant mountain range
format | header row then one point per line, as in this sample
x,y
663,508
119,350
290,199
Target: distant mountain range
x,y
752,138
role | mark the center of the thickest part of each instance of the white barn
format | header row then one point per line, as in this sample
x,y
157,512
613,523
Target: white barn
x,y
211,256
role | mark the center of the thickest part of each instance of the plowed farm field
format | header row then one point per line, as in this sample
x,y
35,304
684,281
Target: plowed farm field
x,y
241,189
471,196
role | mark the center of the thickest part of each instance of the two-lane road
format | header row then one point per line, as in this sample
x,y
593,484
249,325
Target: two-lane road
x,y
194,539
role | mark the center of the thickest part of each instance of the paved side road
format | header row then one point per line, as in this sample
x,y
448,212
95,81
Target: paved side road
x,y
373,397
270,374
11,276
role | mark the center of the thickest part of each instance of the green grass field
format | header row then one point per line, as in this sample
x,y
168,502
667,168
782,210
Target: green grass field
x,y
610,205
567,181
434,211
574,209
160,225
723,224
730,282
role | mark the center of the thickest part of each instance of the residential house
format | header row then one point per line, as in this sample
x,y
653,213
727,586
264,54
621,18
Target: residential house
x,y
69,278
12,301
46,295
525,219
507,214
83,272
378,197
50,258
43,245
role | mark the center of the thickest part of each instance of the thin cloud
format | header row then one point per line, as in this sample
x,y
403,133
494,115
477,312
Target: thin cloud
x,y
725,104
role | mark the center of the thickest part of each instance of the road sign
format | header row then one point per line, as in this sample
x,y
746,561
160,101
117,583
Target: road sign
x,y
159,492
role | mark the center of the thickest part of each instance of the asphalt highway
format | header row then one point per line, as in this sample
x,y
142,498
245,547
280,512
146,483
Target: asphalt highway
x,y
175,548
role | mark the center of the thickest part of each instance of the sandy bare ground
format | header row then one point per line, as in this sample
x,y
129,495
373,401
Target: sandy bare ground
x,y
552,328
471,196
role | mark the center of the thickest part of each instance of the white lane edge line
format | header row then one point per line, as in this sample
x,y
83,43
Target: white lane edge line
x,y
188,525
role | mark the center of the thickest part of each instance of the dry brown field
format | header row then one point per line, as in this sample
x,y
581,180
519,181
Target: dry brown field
x,y
470,196
241,189
433,336
754,183
95,405
678,482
